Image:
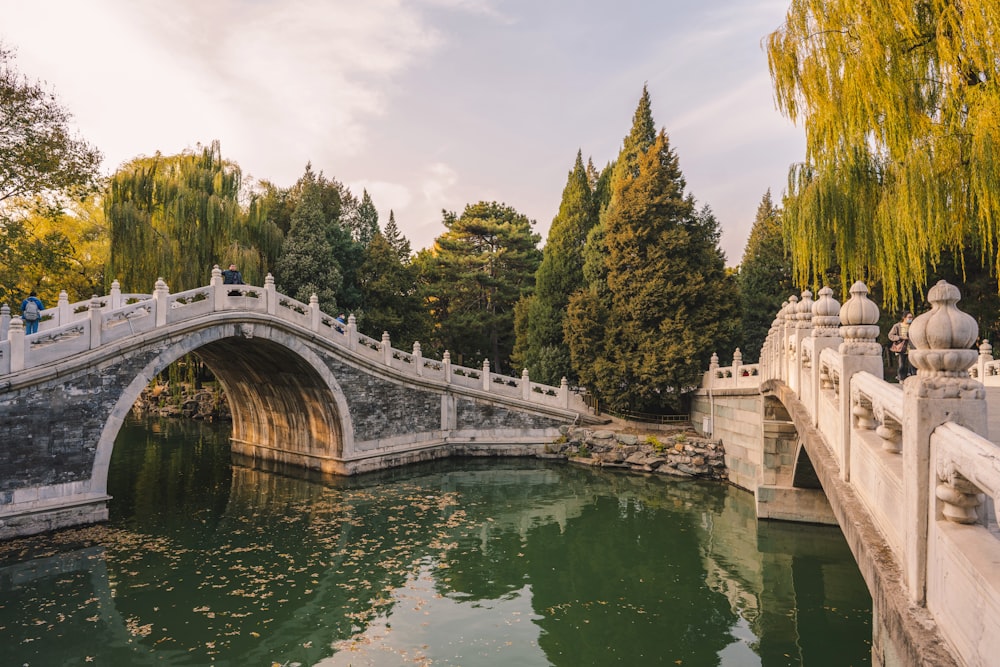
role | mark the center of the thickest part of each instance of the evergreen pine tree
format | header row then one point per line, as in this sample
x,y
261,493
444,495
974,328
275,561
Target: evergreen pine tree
x,y
765,277
475,274
539,320
640,334
391,300
307,264
399,243
366,222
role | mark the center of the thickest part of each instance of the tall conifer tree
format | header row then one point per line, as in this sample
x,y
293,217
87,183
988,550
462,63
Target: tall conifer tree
x,y
541,346
667,301
307,264
366,222
399,243
765,277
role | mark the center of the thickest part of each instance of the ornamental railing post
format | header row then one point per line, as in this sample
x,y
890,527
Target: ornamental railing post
x,y
218,293
941,391
486,374
314,312
161,293
386,349
859,351
16,337
352,332
525,385
64,314
418,358
95,322
270,295
116,295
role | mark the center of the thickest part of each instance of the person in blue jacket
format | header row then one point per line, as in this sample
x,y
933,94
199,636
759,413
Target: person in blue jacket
x,y
31,312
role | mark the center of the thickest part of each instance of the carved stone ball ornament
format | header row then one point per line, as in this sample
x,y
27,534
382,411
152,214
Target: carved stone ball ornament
x,y
943,336
859,323
826,315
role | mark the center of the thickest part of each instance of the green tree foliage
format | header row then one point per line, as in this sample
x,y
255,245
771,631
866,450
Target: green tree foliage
x,y
366,221
539,318
392,301
668,299
176,217
338,209
473,276
765,278
44,168
900,105
400,244
307,264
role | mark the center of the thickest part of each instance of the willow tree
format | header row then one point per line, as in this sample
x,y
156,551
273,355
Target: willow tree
x,y
901,109
177,216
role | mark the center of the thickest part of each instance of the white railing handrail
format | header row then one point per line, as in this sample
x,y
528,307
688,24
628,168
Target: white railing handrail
x,y
71,328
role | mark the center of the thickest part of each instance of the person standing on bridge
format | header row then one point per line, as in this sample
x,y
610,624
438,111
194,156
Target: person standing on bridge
x,y
899,337
232,276
31,312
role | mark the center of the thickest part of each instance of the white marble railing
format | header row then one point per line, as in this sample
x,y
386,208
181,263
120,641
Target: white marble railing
x,y
914,454
69,329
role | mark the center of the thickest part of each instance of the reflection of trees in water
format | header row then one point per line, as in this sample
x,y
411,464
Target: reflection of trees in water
x,y
209,561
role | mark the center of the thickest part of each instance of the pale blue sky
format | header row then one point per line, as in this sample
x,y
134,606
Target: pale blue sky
x,y
430,104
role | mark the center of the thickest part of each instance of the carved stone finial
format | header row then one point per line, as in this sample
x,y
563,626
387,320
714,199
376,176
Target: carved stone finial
x,y
985,349
826,315
943,336
313,300
351,319
804,310
161,285
714,362
859,323
216,271
737,357
269,279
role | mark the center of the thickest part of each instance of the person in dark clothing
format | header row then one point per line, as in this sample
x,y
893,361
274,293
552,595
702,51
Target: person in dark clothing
x,y
31,312
232,276
899,336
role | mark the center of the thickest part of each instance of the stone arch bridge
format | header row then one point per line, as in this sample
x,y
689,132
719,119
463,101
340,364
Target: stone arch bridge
x,y
909,471
304,389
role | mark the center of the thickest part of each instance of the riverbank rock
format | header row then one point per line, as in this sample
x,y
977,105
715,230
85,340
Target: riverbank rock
x,y
208,402
679,452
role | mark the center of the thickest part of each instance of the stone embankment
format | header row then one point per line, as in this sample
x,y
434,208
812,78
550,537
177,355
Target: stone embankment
x,y
679,452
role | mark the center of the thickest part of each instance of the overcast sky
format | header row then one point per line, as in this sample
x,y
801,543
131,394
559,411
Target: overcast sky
x,y
429,104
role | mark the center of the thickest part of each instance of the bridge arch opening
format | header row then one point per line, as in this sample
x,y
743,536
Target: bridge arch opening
x,y
285,403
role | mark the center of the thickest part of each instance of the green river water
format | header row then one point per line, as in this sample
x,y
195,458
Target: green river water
x,y
465,562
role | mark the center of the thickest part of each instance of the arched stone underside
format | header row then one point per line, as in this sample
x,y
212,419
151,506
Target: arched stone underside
x,y
295,399
279,401
804,475
283,398
789,489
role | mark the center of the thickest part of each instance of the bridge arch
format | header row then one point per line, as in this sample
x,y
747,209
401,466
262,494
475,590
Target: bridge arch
x,y
279,391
